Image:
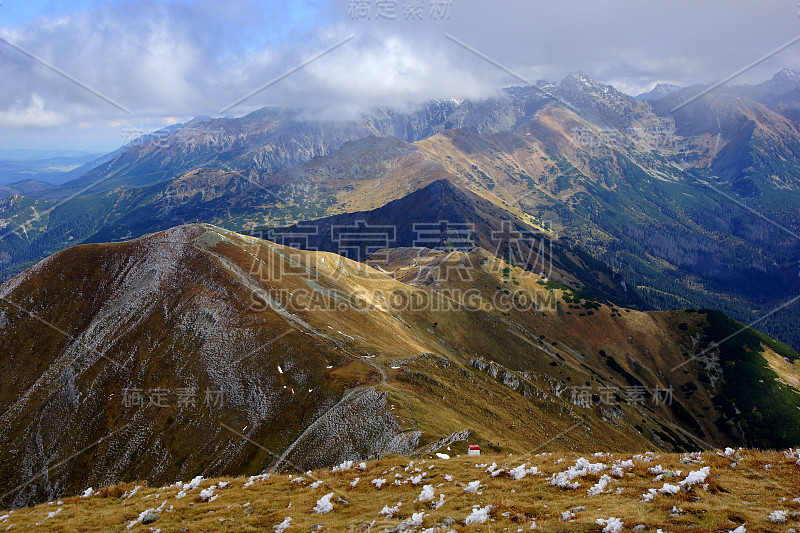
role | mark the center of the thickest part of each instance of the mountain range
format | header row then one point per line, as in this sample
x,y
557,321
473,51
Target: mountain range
x,y
561,259
713,175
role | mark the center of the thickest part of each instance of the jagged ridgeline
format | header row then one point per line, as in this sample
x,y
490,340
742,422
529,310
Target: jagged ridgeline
x,y
198,350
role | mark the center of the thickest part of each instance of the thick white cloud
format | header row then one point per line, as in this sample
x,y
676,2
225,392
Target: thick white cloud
x,y
180,58
32,115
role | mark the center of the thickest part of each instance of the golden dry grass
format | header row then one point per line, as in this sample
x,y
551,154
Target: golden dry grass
x,y
759,483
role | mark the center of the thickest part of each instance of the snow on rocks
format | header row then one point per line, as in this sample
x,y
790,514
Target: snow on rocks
x,y
478,516
147,516
87,493
612,525
739,529
324,504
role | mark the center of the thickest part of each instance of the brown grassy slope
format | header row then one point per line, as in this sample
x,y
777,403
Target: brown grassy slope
x,y
183,307
744,488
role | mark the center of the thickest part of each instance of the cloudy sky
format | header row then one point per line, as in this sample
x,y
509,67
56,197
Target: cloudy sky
x,y
145,64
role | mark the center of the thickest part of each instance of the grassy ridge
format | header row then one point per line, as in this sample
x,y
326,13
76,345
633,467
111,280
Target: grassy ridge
x,y
743,487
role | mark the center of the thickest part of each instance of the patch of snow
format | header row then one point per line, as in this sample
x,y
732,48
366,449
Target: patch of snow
x,y
478,515
347,465
472,486
582,468
618,470
426,495
283,526
669,489
145,513
777,517
522,470
416,519
253,479
613,525
440,502
601,485
378,482
389,512
207,494
324,504
132,492
696,477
